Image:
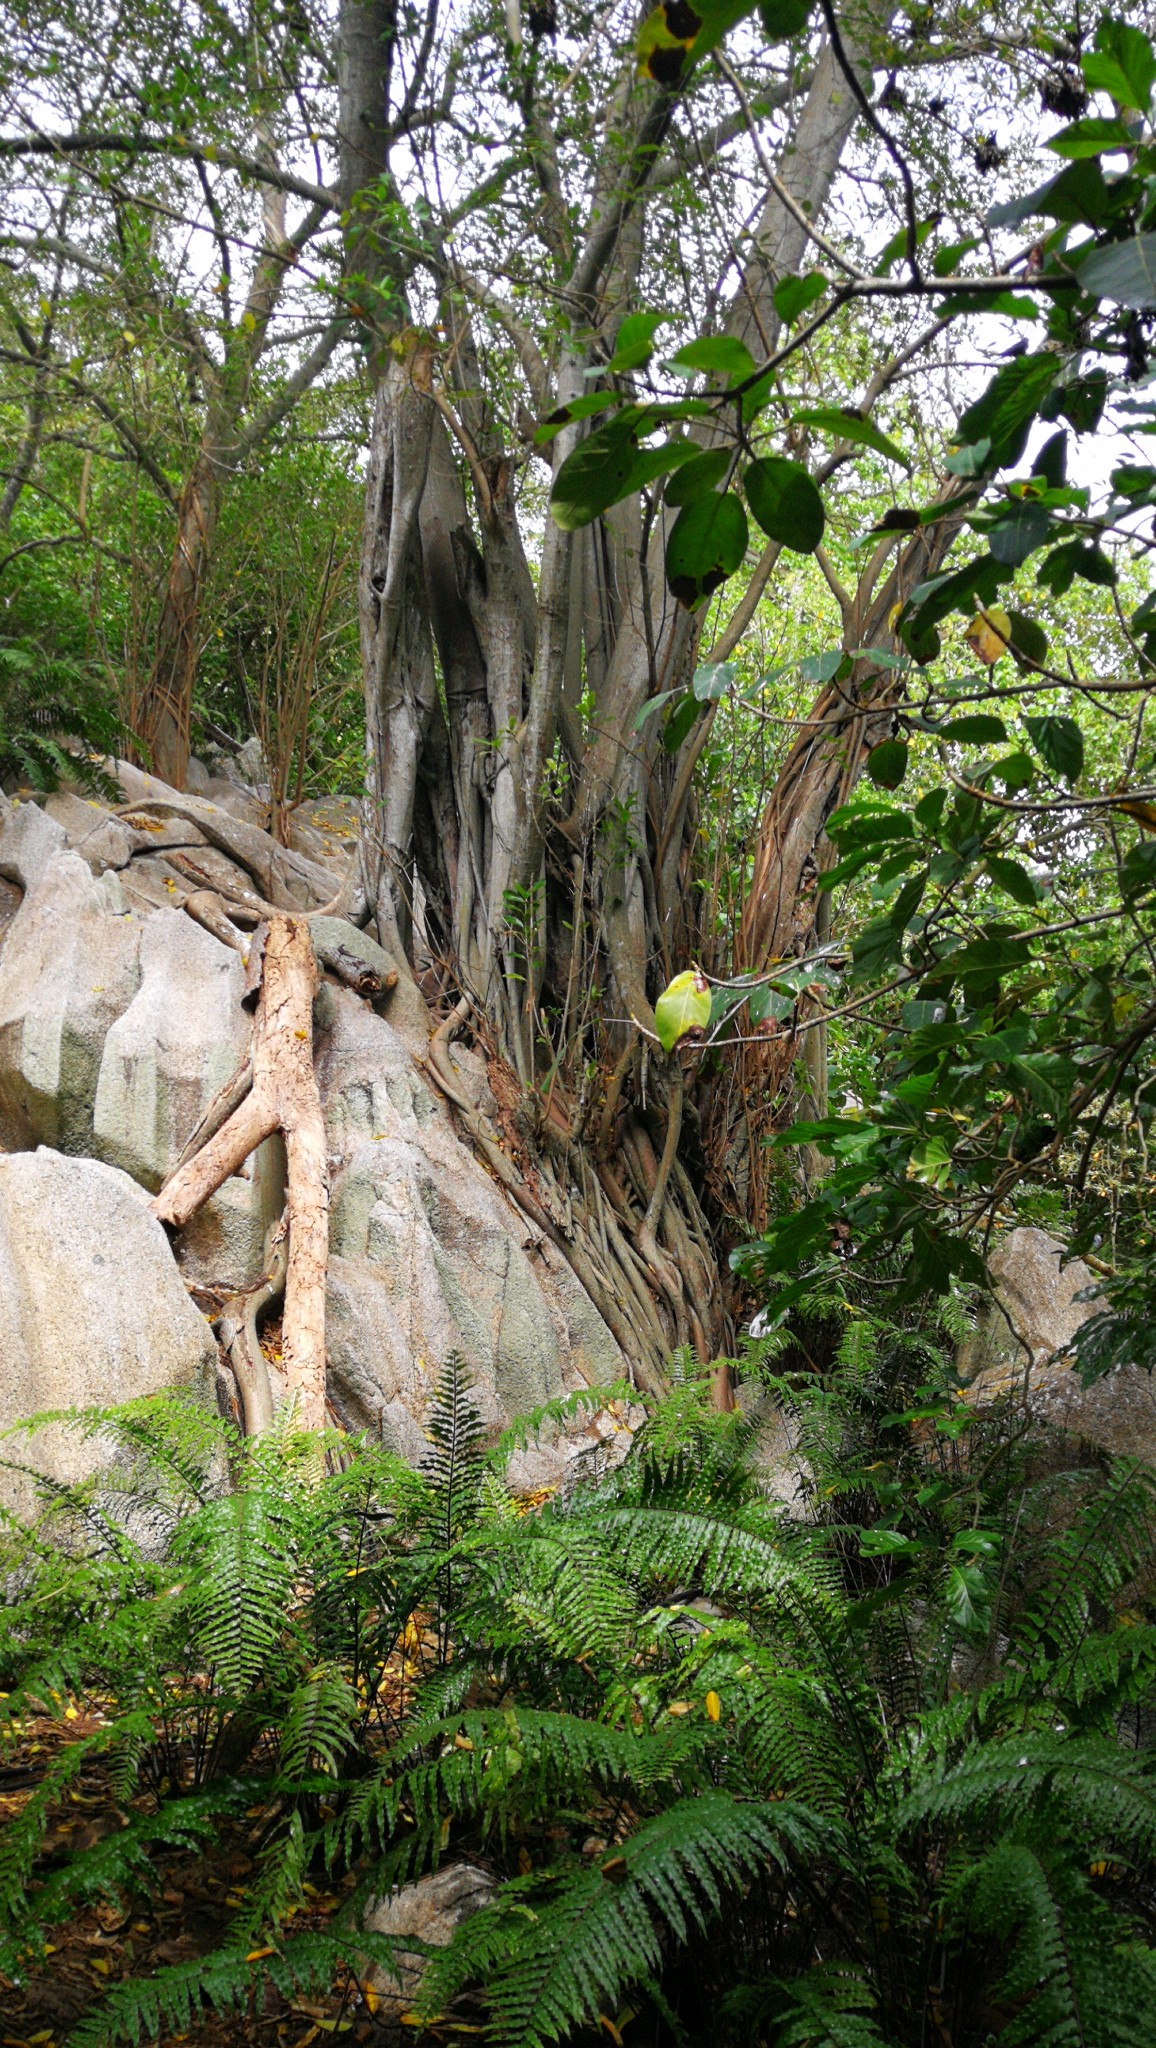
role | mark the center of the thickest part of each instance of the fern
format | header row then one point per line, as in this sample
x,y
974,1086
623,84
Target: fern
x,y
594,1932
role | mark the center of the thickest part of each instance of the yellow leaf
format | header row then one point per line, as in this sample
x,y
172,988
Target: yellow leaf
x,y
256,1955
988,634
713,1706
680,1706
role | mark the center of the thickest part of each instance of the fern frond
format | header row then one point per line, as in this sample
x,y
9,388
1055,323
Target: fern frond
x,y
596,1931
1071,1981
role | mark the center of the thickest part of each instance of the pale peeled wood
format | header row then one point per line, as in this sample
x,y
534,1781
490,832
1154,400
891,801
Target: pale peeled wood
x,y
284,1096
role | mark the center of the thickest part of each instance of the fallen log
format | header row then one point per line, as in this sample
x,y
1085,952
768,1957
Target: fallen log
x,y
283,1096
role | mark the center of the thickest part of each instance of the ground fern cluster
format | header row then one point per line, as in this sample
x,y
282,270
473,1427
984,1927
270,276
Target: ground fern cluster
x,y
873,1771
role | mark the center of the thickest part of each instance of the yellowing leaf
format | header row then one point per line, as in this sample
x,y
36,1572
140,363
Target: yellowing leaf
x,y
683,1006
988,634
713,1706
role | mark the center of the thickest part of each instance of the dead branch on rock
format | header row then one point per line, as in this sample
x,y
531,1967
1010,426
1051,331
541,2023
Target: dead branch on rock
x,y
283,1096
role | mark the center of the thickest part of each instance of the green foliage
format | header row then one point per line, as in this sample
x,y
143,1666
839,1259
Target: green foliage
x,y
55,722
812,1780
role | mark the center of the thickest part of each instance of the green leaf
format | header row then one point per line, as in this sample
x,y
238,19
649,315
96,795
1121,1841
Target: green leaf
x,y
608,466
1013,879
583,408
786,502
897,246
1091,137
594,475
652,705
1123,272
700,474
945,261
1017,536
679,721
1060,743
635,343
976,728
1077,193
851,426
1075,558
720,355
794,295
683,1006
1138,873
961,589
1004,410
1121,64
707,543
713,680
1029,642
782,19
822,668
767,1005
887,763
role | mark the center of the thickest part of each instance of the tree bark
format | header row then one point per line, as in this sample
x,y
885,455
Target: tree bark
x,y
284,1096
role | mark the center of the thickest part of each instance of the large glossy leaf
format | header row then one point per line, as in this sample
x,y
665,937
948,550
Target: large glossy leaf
x,y
1013,879
1092,137
720,355
793,295
608,466
1003,412
700,474
1122,64
713,680
786,502
851,426
783,18
707,543
1024,530
634,345
1060,743
887,763
1123,272
584,408
683,1006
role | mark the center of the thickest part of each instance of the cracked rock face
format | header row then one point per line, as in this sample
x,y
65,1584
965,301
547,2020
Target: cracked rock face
x,y
121,1018
1034,1316
426,1254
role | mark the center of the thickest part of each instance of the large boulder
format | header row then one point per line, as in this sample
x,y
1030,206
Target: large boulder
x,y
69,967
184,1035
429,1911
427,1256
28,841
91,830
1021,1350
93,1309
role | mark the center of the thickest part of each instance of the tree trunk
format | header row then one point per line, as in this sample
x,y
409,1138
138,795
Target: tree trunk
x,y
548,874
164,718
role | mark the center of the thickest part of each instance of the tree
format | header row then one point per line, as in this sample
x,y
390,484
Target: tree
x,y
529,825
146,188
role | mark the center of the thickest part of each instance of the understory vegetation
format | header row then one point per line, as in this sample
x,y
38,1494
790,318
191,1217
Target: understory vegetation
x,y
869,1769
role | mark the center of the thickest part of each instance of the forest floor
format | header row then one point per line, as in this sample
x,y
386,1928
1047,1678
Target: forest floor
x,y
185,1913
